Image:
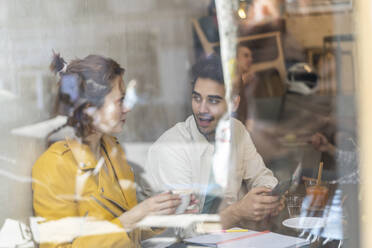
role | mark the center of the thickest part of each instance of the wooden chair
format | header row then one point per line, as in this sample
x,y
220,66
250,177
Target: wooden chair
x,y
274,63
206,44
333,51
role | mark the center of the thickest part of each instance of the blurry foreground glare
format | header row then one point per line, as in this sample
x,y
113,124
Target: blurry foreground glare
x,y
241,13
131,97
221,156
6,95
180,220
67,229
41,129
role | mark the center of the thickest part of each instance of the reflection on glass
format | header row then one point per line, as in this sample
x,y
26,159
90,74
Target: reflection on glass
x,y
183,162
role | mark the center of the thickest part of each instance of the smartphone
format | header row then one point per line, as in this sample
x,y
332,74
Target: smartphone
x,y
281,188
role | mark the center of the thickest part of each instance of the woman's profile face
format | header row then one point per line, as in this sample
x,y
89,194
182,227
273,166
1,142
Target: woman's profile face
x,y
244,59
110,117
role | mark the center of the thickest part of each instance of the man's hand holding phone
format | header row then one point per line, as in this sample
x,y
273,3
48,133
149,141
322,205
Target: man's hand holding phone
x,y
257,204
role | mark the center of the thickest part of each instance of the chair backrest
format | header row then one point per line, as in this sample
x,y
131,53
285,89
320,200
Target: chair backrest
x,y
326,68
275,60
207,45
338,65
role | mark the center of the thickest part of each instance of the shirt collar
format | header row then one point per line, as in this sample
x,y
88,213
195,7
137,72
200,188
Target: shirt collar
x,y
197,137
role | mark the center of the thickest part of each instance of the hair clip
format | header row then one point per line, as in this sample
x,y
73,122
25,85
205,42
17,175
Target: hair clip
x,y
70,86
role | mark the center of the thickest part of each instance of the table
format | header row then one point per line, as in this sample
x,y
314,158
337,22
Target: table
x,y
275,225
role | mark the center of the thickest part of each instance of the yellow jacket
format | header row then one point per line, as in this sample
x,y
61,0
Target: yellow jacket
x,y
69,182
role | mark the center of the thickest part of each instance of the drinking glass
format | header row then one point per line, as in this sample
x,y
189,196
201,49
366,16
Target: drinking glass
x,y
294,203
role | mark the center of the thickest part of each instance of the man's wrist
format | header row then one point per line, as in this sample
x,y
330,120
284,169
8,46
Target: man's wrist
x,y
230,216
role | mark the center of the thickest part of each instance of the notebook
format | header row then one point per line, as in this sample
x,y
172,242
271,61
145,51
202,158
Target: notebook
x,y
253,239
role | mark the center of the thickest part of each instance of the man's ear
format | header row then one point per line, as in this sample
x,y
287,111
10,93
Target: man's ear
x,y
235,101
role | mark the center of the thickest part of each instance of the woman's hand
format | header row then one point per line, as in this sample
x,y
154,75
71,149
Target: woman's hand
x,y
248,78
165,203
321,143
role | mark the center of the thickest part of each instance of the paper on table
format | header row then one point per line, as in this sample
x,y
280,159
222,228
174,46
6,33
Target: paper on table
x,y
15,234
264,239
212,240
179,220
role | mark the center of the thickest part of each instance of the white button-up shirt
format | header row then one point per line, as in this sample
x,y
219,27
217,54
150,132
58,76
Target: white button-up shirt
x,y
182,158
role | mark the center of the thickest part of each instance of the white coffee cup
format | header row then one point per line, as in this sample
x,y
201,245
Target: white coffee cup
x,y
185,196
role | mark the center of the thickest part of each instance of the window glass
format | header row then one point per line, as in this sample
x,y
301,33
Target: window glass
x,y
161,123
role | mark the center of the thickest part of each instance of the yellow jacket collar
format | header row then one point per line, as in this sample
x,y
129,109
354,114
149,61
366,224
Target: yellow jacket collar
x,y
82,154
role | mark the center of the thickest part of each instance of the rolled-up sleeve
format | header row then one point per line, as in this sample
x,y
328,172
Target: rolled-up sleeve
x,y
256,174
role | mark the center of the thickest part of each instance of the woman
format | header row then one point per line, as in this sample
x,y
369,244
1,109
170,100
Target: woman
x,y
247,83
87,175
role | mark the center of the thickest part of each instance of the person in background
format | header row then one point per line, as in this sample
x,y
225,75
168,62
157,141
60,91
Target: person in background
x,y
347,161
87,176
182,158
247,82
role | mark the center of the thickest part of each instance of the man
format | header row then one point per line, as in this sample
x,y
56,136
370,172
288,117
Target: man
x,y
182,158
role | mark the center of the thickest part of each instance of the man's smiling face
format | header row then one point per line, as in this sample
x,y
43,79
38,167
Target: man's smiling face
x,y
208,105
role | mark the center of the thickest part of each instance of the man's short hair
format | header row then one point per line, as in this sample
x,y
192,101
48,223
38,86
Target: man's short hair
x,y
209,68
